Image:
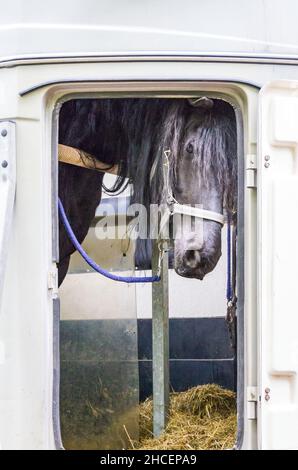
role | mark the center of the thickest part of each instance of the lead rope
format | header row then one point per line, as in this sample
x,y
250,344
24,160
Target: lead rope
x,y
96,267
231,283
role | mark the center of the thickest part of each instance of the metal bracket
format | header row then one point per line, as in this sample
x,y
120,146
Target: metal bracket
x,y
252,399
251,171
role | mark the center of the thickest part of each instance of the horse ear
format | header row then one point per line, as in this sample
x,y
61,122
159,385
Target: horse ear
x,y
202,102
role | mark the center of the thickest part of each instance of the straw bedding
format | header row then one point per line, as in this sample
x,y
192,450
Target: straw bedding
x,y
201,418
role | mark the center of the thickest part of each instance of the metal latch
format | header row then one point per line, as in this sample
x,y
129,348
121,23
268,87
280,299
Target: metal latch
x,y
251,171
252,398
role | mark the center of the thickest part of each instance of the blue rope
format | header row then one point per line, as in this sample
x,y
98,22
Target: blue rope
x,y
229,292
76,244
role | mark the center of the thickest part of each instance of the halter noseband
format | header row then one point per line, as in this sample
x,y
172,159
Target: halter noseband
x,y
197,212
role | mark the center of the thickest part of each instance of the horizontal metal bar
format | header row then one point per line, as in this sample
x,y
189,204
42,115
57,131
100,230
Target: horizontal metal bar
x,y
217,80
247,58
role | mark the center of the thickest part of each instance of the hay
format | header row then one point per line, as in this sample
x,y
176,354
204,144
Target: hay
x,y
200,418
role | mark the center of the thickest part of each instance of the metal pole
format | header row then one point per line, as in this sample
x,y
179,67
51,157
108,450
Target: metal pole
x,y
160,341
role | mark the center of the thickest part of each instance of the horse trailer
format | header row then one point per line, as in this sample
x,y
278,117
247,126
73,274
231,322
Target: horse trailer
x,y
144,78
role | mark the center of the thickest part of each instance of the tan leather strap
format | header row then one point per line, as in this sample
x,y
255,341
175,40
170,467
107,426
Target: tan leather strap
x,y
77,157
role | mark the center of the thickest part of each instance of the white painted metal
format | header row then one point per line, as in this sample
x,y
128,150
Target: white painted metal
x,y
7,190
103,28
26,329
73,27
278,266
26,312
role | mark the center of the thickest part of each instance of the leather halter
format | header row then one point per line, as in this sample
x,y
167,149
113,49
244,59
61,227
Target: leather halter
x,y
174,207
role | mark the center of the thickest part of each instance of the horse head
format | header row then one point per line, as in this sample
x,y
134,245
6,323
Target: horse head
x,y
201,138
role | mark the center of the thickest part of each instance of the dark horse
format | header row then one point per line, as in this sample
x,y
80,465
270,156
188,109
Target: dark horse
x,y
134,134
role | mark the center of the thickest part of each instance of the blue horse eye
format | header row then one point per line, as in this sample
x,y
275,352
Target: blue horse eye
x,y
189,148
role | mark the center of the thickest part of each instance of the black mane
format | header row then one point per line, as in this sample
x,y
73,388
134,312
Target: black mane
x,y
134,132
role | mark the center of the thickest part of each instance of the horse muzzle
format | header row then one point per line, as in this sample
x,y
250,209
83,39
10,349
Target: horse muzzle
x,y
196,265
195,258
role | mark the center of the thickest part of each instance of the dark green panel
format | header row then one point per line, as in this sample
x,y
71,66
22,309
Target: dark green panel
x,y
99,384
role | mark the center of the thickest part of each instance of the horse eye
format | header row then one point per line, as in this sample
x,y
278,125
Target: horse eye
x,y
189,148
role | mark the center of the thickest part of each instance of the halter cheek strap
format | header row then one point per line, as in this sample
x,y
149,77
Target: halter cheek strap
x,y
174,207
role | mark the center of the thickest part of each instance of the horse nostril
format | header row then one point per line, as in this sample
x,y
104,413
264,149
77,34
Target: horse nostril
x,y
192,258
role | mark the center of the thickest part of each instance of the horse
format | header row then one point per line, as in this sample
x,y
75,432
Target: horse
x,y
133,133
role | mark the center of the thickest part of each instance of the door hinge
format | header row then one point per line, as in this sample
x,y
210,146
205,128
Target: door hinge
x,y
53,281
252,399
251,171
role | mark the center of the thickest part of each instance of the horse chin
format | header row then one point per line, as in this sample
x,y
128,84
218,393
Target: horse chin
x,y
191,274
199,271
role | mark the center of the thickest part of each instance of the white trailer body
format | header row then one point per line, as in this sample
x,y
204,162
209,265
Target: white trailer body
x,y
245,52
